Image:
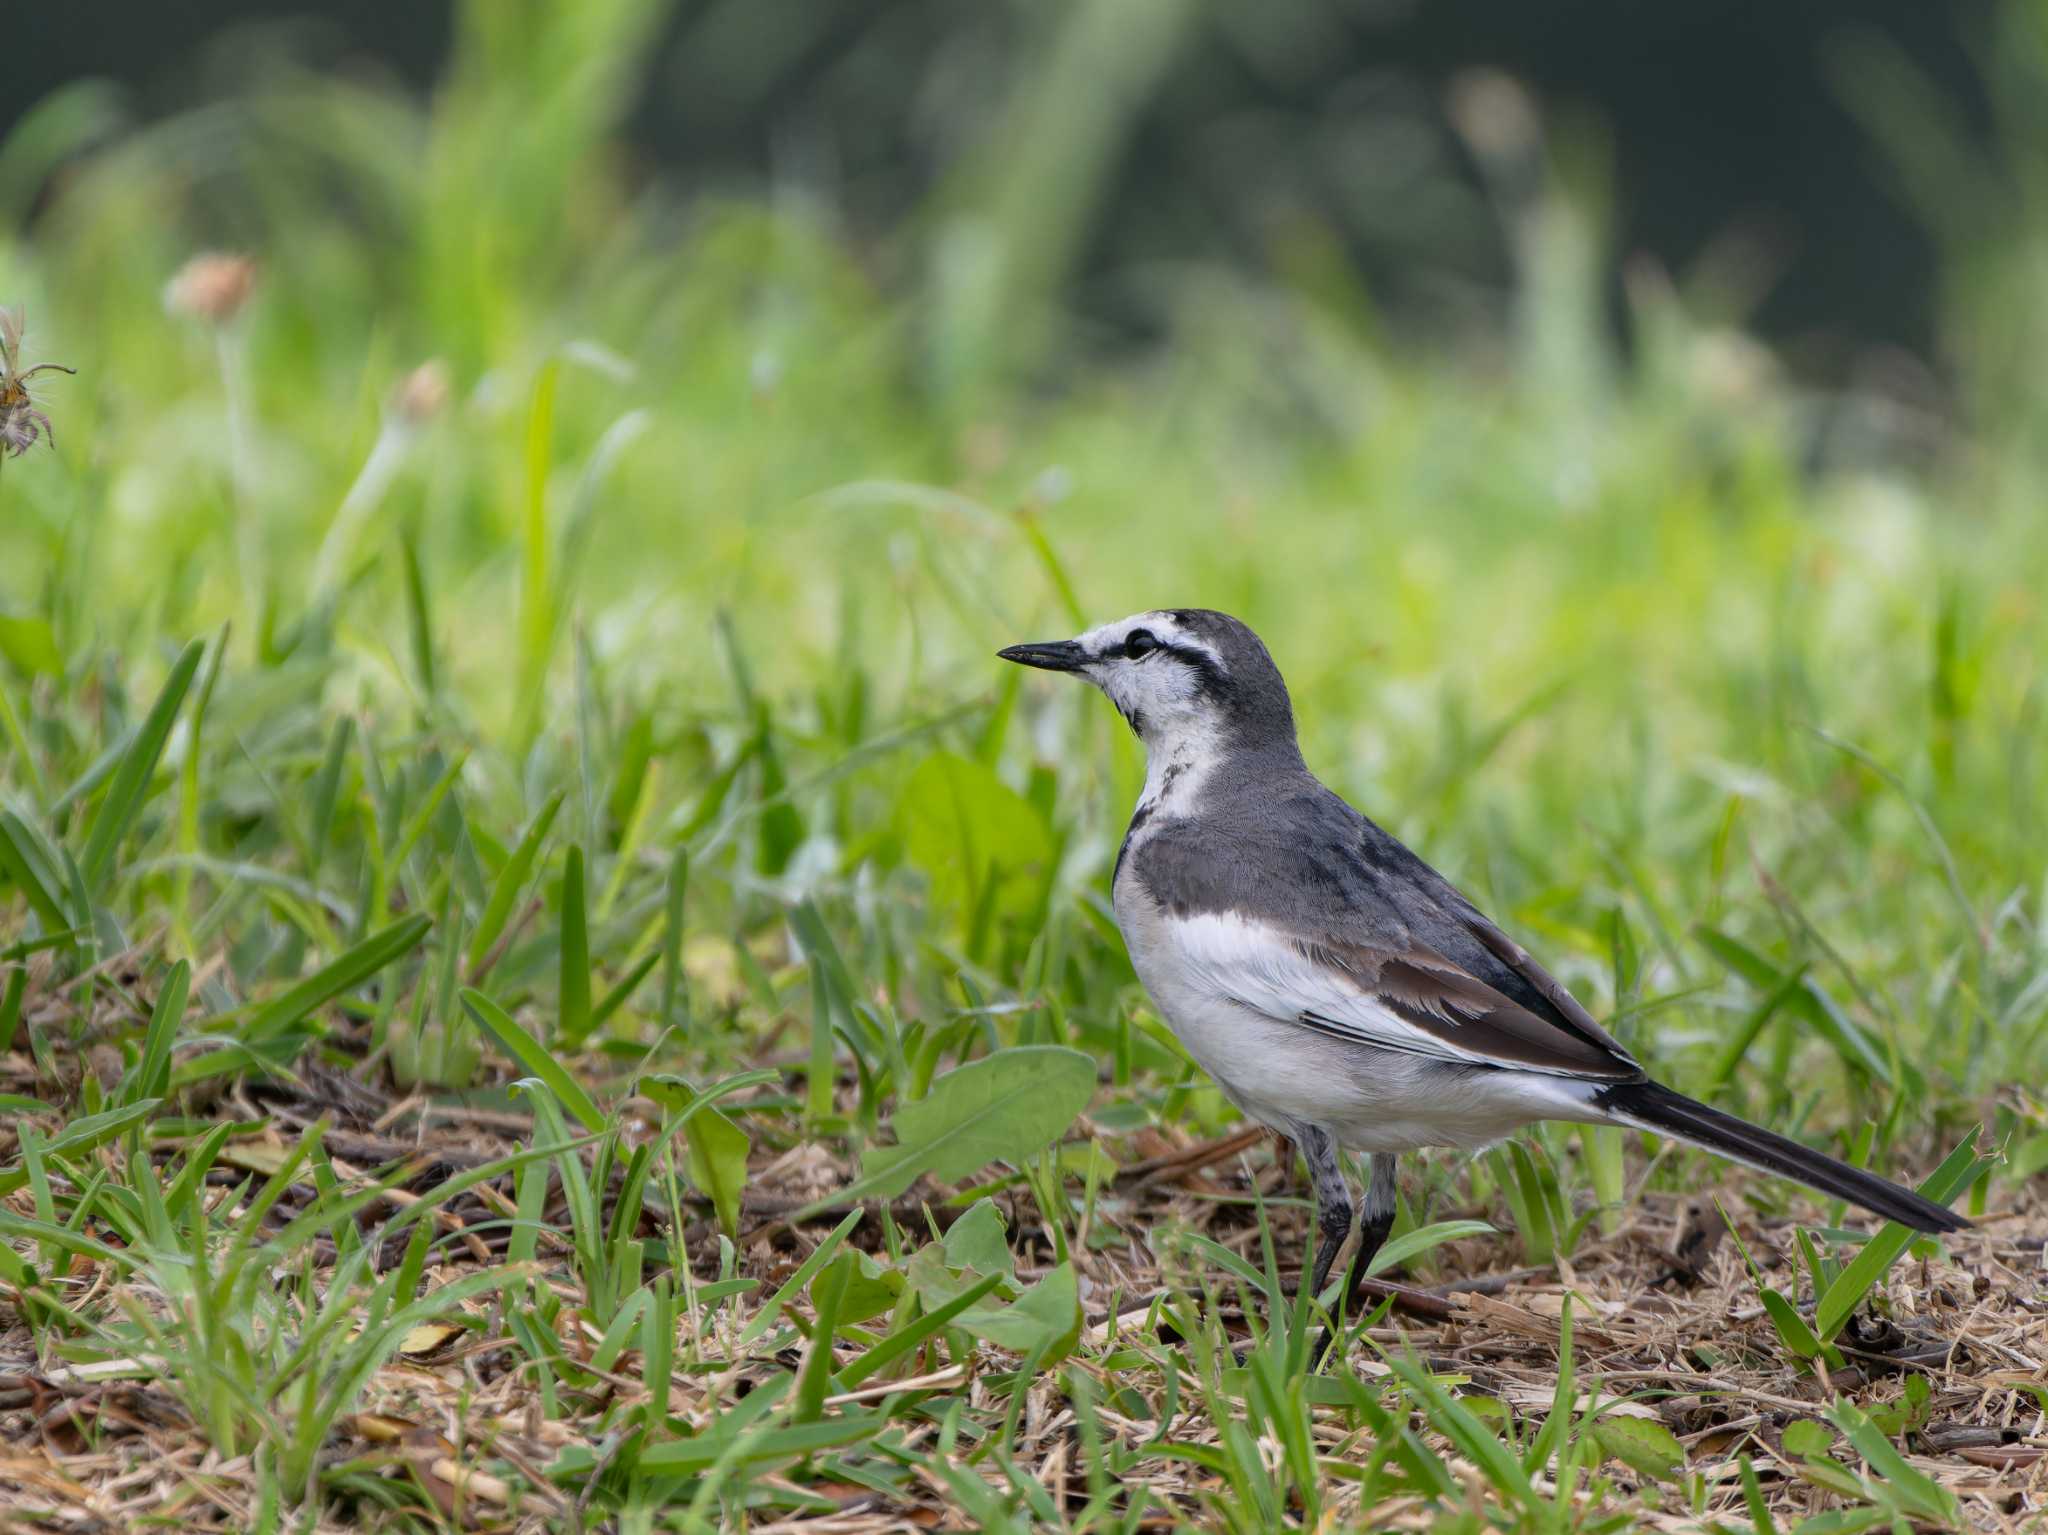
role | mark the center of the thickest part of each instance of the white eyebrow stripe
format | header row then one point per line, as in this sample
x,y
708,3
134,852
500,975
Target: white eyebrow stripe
x,y
1163,626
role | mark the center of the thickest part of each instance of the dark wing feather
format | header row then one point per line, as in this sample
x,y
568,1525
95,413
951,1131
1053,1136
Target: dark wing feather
x,y
1473,1021
1516,958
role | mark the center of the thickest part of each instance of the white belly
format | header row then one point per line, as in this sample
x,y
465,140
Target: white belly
x,y
1287,1075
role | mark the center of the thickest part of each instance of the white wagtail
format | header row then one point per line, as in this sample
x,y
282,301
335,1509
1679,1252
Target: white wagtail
x,y
1338,988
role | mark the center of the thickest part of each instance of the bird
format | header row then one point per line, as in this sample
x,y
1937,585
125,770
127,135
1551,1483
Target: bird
x,y
1338,989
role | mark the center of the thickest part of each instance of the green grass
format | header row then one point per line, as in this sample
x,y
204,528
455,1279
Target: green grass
x,y
606,769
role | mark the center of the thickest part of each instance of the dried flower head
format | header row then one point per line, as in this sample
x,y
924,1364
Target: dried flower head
x,y
20,422
212,286
1497,117
423,393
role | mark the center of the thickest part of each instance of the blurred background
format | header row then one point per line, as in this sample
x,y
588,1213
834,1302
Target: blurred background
x,y
1615,414
1728,133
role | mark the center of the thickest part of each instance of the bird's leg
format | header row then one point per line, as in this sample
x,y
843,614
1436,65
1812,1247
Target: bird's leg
x,y
1333,1218
1333,1201
1376,1219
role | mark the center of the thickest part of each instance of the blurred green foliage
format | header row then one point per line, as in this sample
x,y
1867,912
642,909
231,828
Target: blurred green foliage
x,y
684,568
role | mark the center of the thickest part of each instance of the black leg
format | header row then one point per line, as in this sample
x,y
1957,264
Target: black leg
x,y
1333,1218
1376,1219
1333,1202
1374,1222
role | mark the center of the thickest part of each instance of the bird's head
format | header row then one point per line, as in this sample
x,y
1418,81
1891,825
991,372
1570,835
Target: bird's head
x,y
1180,676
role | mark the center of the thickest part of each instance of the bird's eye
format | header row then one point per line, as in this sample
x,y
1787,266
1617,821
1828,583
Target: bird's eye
x,y
1139,642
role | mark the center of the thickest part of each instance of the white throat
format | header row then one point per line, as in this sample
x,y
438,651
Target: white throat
x,y
1175,771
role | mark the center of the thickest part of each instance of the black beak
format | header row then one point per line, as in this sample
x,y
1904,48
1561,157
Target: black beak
x,y
1059,656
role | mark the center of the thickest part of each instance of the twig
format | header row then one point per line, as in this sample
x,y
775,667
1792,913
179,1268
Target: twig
x,y
1155,1169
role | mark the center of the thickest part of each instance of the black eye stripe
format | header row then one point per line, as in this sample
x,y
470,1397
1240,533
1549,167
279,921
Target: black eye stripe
x,y
1141,643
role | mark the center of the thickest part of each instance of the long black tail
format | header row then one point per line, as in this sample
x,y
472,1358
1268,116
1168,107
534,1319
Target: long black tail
x,y
1653,1106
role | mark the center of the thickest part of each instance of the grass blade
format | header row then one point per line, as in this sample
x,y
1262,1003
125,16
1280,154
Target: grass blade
x,y
573,1021
511,880
906,1338
1878,1254
337,976
675,999
820,1256
21,861
131,779
534,1057
1419,1241
152,1075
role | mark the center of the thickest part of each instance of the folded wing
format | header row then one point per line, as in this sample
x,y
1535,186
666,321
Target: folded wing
x,y
1413,1000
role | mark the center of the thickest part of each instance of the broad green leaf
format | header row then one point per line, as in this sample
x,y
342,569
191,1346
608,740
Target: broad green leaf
x,y
936,1281
870,1288
1004,1107
1646,1447
717,1163
1803,1436
979,842
975,1247
978,1241
1045,1320
533,1056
